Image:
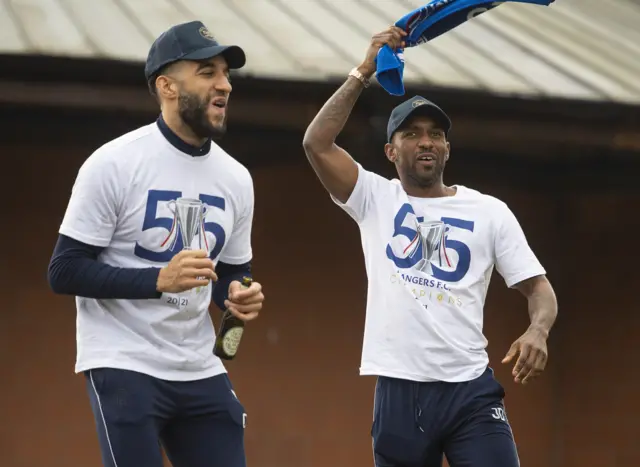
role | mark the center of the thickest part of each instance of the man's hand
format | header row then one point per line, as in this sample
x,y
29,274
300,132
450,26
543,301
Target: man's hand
x,y
244,303
187,270
392,36
532,347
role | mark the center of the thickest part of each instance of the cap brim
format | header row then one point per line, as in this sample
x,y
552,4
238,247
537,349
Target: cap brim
x,y
428,110
233,54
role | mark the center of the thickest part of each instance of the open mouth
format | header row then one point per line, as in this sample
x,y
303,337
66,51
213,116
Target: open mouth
x,y
220,102
426,158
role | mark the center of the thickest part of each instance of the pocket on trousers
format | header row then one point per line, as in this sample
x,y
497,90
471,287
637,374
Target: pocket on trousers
x,y
489,386
124,396
234,408
396,436
237,413
498,389
398,447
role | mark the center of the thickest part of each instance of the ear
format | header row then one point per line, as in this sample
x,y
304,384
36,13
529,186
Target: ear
x,y
390,152
166,87
446,157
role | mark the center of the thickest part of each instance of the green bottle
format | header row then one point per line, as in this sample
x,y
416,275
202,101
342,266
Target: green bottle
x,y
230,333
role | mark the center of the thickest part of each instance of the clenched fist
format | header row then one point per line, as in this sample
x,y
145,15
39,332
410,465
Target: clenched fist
x,y
186,270
245,303
393,37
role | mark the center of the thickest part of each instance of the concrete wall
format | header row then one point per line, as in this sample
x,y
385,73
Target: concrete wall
x,y
297,373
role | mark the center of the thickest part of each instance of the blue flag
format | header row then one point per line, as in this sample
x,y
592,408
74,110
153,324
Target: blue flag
x,y
424,24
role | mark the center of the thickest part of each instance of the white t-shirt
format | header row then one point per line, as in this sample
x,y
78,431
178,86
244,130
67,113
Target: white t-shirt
x,y
120,201
426,324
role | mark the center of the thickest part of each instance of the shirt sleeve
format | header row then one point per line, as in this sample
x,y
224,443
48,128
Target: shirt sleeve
x,y
238,248
359,203
515,260
92,212
74,269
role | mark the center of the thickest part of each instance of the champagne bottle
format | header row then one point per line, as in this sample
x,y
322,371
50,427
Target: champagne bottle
x,y
230,333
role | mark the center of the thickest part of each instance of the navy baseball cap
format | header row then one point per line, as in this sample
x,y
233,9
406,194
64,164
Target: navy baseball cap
x,y
417,105
189,41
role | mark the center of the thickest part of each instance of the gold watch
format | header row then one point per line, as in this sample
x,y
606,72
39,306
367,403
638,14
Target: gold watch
x,y
360,77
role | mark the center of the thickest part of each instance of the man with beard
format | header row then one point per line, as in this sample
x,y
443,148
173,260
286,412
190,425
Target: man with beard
x,y
429,253
144,334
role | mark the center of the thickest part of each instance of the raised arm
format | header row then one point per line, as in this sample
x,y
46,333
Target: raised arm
x,y
335,168
333,165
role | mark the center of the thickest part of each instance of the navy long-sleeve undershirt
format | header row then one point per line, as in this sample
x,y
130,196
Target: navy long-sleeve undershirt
x,y
228,273
74,269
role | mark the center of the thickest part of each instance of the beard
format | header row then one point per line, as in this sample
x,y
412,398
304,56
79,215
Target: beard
x,y
423,178
193,112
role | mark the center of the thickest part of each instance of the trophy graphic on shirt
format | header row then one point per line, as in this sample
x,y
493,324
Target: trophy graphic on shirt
x,y
188,218
432,238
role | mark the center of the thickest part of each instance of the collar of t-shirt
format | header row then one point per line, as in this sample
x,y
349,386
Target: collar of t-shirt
x,y
179,143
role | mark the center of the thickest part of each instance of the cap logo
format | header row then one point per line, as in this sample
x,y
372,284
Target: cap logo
x,y
418,103
204,32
